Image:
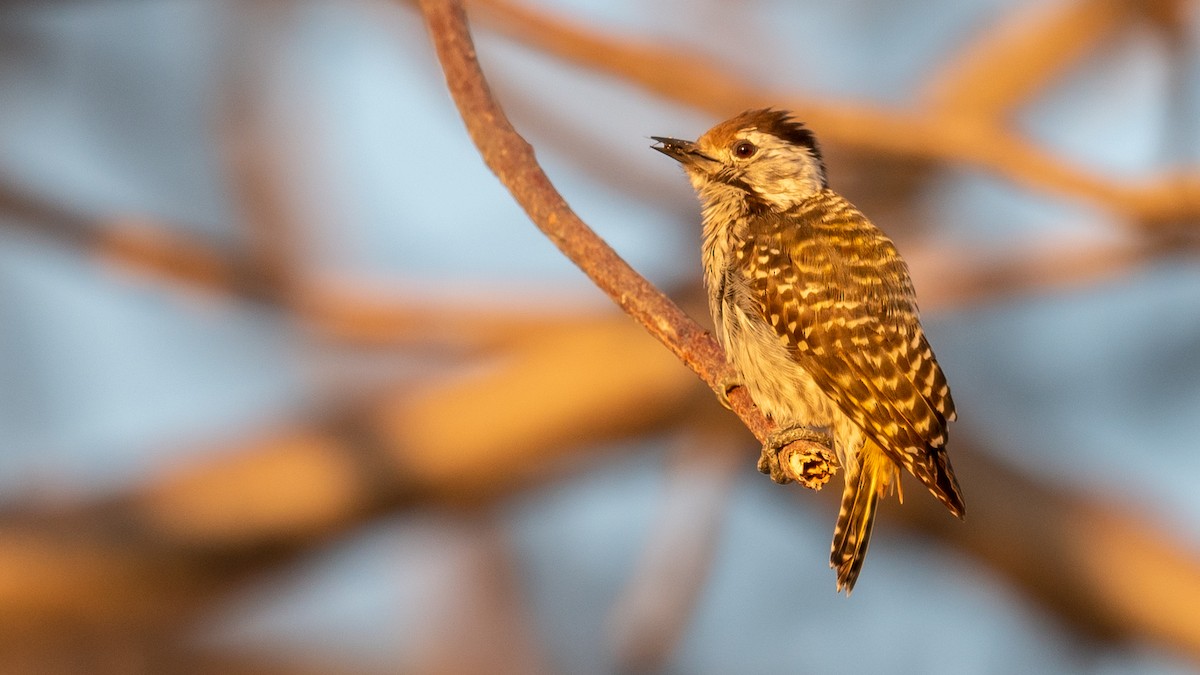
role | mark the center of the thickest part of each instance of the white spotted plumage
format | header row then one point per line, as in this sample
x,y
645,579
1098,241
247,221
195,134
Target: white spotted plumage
x,y
817,314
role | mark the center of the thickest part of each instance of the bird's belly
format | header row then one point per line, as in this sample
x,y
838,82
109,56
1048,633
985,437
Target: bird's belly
x,y
777,384
782,389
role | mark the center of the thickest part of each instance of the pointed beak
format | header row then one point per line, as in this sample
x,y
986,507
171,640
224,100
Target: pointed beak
x,y
684,152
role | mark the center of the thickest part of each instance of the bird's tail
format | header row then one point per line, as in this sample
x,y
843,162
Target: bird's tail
x,y
871,480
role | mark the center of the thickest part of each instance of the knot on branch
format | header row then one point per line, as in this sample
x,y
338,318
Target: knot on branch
x,y
799,455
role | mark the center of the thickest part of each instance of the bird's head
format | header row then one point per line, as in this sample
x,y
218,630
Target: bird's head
x,y
762,156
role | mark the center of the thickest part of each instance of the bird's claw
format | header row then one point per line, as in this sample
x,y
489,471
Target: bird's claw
x,y
728,383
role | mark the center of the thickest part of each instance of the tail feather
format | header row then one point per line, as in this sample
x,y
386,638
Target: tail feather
x,y
948,491
852,534
932,467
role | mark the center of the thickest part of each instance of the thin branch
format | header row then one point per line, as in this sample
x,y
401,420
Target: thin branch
x,y
512,159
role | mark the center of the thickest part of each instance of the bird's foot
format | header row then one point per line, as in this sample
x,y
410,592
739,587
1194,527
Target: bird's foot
x,y
801,454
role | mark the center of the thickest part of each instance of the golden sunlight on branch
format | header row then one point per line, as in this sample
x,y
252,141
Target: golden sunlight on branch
x,y
512,159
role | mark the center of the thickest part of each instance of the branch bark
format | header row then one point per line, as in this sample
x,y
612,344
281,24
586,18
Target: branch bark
x,y
512,159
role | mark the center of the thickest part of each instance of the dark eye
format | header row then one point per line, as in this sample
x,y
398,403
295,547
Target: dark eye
x,y
744,150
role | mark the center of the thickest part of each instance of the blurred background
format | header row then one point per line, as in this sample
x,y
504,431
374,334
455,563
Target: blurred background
x,y
291,385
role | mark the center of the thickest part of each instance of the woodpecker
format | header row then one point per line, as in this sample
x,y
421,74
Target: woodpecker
x,y
818,317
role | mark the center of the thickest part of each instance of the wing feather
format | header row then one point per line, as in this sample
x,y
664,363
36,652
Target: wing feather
x,y
842,301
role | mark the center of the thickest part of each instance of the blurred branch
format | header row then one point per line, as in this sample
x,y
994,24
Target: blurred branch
x,y
952,276
948,276
139,245
1101,566
562,394
694,80
445,440
253,165
157,555
483,623
22,208
1172,17
1024,51
653,611
261,149
191,532
484,318
157,251
164,253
